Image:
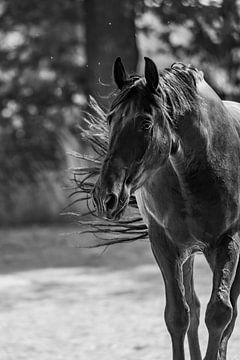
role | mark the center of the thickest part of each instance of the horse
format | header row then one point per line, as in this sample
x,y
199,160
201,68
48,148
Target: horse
x,y
176,145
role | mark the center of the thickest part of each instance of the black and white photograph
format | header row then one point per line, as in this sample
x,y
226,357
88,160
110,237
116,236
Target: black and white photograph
x,y
119,179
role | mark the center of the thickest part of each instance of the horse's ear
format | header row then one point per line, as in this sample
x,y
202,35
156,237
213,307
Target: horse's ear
x,y
119,73
151,74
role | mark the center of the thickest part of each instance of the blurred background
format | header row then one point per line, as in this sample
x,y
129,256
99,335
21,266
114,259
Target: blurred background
x,y
53,55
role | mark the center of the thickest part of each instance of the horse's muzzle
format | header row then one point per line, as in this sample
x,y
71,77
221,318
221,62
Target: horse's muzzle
x,y
109,204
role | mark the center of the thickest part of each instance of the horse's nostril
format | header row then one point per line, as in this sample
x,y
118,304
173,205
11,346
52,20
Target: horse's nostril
x,y
111,201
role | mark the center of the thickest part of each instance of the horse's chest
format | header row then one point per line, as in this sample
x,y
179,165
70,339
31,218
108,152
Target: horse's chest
x,y
212,205
191,219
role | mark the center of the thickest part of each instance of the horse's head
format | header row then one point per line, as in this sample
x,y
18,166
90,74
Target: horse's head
x,y
139,139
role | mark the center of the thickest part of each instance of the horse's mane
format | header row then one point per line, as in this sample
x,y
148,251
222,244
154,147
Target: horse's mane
x,y
175,95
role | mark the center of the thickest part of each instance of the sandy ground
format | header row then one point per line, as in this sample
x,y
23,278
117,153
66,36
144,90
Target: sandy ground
x,y
59,302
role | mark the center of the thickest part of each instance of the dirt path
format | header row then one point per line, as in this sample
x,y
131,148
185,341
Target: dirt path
x,y
110,310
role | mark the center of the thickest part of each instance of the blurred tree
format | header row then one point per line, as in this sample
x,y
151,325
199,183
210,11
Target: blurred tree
x,y
42,79
110,32
207,30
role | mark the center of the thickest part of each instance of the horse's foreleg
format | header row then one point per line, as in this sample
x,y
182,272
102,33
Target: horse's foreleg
x,y
177,310
235,291
194,305
219,310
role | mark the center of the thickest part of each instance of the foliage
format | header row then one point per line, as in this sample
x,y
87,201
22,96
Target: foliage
x,y
207,31
41,47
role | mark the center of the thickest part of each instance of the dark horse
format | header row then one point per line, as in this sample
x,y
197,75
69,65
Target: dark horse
x,y
176,145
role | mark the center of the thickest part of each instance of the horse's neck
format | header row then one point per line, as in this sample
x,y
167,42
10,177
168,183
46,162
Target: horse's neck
x,y
198,130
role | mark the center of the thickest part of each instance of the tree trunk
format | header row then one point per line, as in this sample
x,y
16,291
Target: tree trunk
x,y
110,32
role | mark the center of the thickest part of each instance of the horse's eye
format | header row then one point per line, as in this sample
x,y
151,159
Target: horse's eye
x,y
146,125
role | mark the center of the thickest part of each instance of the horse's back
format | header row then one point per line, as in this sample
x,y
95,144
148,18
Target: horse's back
x,y
232,106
